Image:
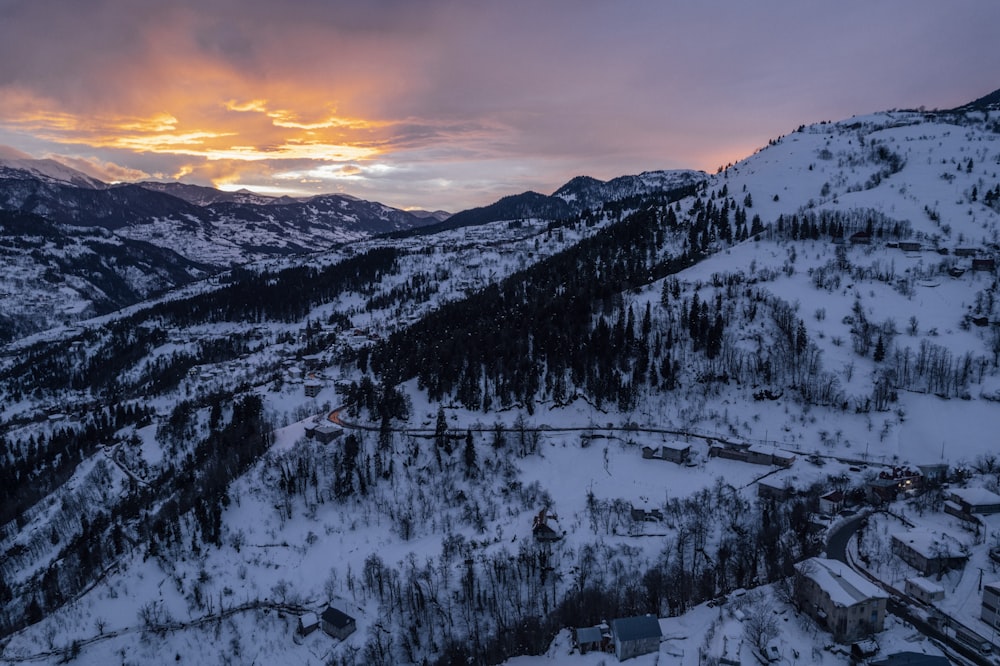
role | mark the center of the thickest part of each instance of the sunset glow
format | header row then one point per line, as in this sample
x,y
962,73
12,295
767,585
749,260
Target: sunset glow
x,y
430,105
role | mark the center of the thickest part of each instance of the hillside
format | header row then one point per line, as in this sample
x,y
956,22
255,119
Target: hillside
x,y
830,301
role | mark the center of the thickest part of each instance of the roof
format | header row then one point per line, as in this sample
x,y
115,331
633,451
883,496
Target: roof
x,y
928,586
636,628
337,618
844,586
834,496
308,619
588,635
976,496
676,446
932,545
911,659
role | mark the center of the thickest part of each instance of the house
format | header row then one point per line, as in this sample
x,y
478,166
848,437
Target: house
x,y
831,503
889,484
934,472
930,552
633,636
911,659
337,623
861,238
984,265
312,388
974,500
756,454
308,623
990,613
326,432
839,599
589,639
773,488
676,452
909,246
924,589
966,251
540,527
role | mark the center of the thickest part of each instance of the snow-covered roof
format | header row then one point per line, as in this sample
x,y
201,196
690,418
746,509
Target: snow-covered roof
x,y
927,585
636,628
676,446
588,635
931,544
976,496
844,586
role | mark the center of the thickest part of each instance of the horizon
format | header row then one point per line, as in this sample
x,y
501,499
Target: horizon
x,y
442,106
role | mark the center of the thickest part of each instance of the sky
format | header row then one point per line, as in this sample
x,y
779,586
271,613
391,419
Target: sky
x,y
439,104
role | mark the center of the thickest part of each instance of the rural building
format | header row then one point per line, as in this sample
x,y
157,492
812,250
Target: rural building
x,y
775,488
676,452
861,238
929,552
327,432
312,388
831,503
984,265
308,623
991,604
589,639
839,599
966,251
911,659
633,636
909,246
924,589
974,500
890,484
756,455
337,624
934,472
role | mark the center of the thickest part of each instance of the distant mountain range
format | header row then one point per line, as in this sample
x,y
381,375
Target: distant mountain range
x,y
77,247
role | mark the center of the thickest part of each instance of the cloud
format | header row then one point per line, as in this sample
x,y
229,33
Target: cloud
x,y
109,172
472,94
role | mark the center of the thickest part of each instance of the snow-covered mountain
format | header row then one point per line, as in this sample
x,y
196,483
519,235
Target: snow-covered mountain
x,y
47,170
202,224
814,317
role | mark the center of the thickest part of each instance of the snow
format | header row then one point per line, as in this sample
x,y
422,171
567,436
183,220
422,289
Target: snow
x,y
843,585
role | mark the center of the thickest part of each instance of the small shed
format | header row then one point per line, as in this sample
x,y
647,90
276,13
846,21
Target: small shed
x,y
589,639
634,636
308,623
337,624
924,589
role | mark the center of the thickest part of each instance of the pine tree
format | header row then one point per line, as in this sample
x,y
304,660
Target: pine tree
x,y
469,455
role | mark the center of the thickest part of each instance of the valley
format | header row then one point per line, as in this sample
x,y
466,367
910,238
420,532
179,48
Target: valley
x,y
550,415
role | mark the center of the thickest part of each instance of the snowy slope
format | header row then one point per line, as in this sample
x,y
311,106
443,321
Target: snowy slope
x,y
436,544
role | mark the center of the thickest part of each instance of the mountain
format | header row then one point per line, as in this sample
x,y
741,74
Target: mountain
x,y
54,275
47,170
578,195
200,195
990,102
822,315
202,224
